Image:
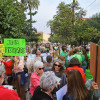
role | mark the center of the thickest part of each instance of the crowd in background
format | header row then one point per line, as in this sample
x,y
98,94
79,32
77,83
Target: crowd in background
x,y
46,68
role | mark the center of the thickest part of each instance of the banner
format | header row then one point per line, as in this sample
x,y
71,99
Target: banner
x,y
15,47
95,62
1,50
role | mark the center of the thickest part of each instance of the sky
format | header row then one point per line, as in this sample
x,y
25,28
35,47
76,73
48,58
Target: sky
x,y
47,9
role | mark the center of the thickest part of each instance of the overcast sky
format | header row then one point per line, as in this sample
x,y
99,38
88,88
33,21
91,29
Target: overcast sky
x,y
48,8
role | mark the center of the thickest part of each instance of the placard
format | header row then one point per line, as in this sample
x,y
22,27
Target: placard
x,y
15,47
95,62
1,50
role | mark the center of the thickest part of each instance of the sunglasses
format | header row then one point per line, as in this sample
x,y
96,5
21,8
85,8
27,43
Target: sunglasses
x,y
57,65
41,68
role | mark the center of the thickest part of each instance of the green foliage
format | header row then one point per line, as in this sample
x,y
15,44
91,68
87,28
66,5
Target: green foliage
x,y
32,5
13,21
12,18
98,42
63,29
61,26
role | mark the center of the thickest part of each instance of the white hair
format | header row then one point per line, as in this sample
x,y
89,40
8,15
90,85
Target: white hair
x,y
47,80
37,64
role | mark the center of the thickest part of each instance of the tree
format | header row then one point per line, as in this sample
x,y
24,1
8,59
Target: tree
x,y
12,19
61,23
32,5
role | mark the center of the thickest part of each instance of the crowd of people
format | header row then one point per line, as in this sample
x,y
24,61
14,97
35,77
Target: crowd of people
x,y
44,70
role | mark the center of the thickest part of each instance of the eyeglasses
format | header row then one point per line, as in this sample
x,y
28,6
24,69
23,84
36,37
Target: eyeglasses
x,y
41,68
57,65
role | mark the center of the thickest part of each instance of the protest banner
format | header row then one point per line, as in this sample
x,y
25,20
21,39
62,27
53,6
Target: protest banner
x,y
15,47
98,67
95,62
93,51
1,51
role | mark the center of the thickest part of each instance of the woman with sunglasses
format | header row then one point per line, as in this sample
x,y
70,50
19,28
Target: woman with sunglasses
x,y
35,77
58,69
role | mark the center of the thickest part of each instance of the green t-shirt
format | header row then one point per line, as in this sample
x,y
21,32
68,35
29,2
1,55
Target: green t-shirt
x,y
88,74
61,52
84,63
77,56
88,54
64,54
83,58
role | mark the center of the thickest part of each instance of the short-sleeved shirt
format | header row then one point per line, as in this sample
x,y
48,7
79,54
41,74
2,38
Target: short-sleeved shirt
x,y
64,54
84,63
88,54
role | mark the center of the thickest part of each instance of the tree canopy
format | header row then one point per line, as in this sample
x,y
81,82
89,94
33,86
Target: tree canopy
x,y
63,29
13,20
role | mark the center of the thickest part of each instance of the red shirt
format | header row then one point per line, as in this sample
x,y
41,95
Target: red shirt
x,y
80,70
8,67
1,62
6,94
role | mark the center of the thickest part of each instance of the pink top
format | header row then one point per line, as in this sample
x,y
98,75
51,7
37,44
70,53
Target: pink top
x,y
35,81
18,67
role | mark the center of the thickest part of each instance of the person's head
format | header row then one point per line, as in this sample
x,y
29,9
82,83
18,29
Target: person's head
x,y
64,49
6,58
16,58
38,53
2,71
74,62
87,50
58,67
43,49
49,59
85,54
62,58
75,51
51,53
48,81
25,57
38,65
70,53
34,47
76,85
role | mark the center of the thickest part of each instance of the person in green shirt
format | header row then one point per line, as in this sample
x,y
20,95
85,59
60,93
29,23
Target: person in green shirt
x,y
88,55
64,53
84,59
76,55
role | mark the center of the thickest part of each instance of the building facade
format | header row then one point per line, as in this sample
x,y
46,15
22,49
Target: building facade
x,y
45,37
